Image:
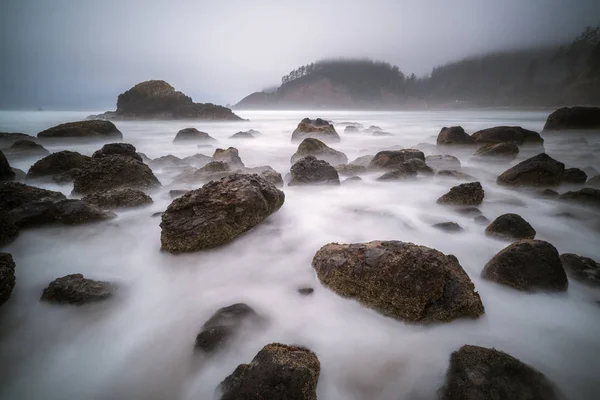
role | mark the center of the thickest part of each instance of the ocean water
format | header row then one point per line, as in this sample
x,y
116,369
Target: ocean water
x,y
139,345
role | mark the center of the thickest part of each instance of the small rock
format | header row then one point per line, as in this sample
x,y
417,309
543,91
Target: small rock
x,y
450,227
362,161
192,135
580,268
507,134
391,159
120,149
504,151
465,194
75,289
244,134
229,156
26,148
540,170
352,180
469,211
455,135
402,172
58,163
510,227
82,130
305,291
443,162
310,171
549,193
481,219
594,182
588,196
574,175
314,147
350,169
380,133
14,194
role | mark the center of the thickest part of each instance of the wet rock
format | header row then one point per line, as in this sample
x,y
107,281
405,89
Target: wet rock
x,y
306,291
6,172
549,193
120,149
402,172
443,162
114,172
218,212
419,167
454,135
244,134
528,265
350,169
229,156
505,151
310,171
400,280
540,170
119,198
7,277
460,176
168,161
574,175
594,182
580,268
77,290
391,159
59,164
192,135
14,194
95,130
8,230
480,373
510,227
573,118
465,194
587,196
277,372
26,148
224,325
317,129
318,149
450,227
7,139
67,212
507,134
481,219
75,212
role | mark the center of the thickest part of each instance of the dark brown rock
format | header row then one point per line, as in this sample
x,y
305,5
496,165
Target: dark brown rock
x,y
450,227
540,170
317,128
119,149
585,118
574,175
419,167
581,268
401,172
400,280
97,130
443,162
7,277
510,227
192,135
26,148
14,194
58,163
310,171
392,159
586,196
504,151
455,135
507,134
229,156
77,290
119,198
465,194
528,265
314,147
593,182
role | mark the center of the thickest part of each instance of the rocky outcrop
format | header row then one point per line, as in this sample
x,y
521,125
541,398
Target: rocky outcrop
x,y
58,163
192,135
465,194
14,194
506,151
391,159
26,148
157,99
454,135
480,373
574,175
118,149
7,139
97,130
317,129
224,325
6,172
507,134
400,280
67,212
442,162
113,172
218,212
584,118
540,170
528,265
277,372
582,269
7,277
77,290
229,156
244,134
318,149
310,171
363,161
119,198
510,227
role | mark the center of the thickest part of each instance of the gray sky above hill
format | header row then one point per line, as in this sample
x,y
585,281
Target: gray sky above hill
x,y
81,54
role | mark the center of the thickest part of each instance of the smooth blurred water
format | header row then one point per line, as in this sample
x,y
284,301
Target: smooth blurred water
x,y
140,345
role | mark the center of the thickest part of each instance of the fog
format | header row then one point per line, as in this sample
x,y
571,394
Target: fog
x,y
68,54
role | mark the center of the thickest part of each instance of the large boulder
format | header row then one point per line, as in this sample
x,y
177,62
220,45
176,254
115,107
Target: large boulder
x,y
574,175
99,130
581,268
507,134
277,372
454,135
218,212
230,156
6,172
14,194
540,170
505,151
192,135
310,171
119,149
224,325
8,230
465,194
67,212
314,147
510,227
587,196
528,265
58,163
26,148
480,373
77,290
7,139
119,198
442,162
113,172
586,118
391,159
7,277
400,280
315,128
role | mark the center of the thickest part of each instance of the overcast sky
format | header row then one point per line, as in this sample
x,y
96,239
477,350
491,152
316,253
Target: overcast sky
x,y
83,53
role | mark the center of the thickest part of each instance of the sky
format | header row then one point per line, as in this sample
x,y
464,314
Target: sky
x,y
80,54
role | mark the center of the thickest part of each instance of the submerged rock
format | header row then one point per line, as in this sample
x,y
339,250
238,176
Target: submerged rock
x,y
277,372
8,230
82,130
314,147
14,194
581,268
7,277
480,373
460,176
392,159
507,134
465,194
229,156
505,151
59,164
7,139
573,118
192,135
450,227
68,212
310,171
455,135
419,167
26,148
400,280
510,227
588,196
528,265
401,172
121,149
574,175
540,170
218,212
6,172
244,134
317,129
119,198
443,162
77,290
